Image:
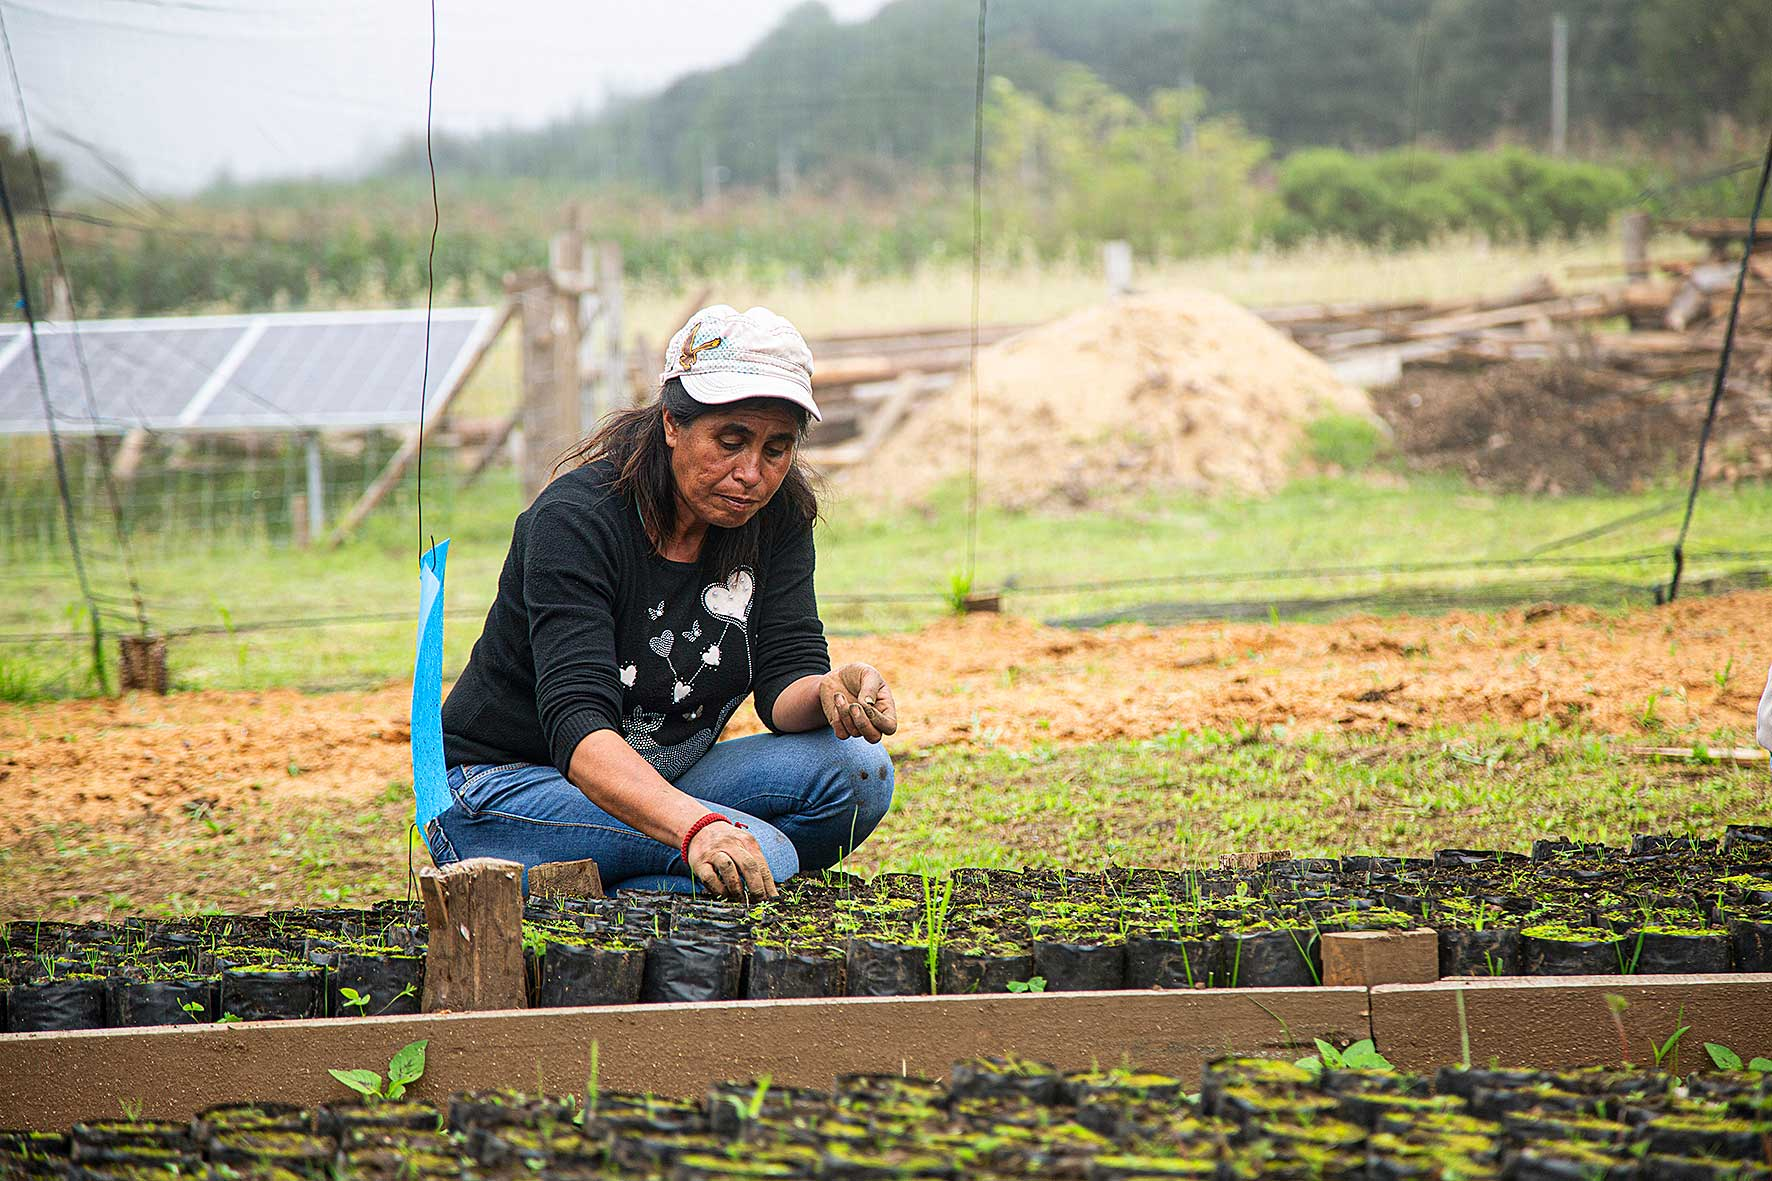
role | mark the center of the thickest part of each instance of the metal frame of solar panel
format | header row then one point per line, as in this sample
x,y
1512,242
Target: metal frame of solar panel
x,y
278,372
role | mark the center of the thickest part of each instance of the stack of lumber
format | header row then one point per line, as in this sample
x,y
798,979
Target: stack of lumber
x,y
1667,327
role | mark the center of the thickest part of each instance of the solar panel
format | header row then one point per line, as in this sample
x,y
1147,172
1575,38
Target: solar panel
x,y
304,371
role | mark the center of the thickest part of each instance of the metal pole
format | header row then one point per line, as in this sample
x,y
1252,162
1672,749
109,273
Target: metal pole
x,y
1559,130
316,487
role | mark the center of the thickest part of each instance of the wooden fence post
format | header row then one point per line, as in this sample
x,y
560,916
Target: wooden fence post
x,y
550,420
1635,229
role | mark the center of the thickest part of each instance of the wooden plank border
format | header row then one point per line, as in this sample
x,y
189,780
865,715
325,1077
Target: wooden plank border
x,y
51,1080
1563,1021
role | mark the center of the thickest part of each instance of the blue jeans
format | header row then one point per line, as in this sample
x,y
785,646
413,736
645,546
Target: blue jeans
x,y
809,799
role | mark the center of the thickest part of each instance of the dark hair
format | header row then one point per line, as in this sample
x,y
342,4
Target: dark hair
x,y
634,441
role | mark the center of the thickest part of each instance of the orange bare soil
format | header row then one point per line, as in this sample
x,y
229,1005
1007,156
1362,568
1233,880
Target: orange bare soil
x,y
1006,680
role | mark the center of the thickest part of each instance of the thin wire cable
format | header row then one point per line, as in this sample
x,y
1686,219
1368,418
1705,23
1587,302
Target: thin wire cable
x,y
1613,526
55,439
430,280
1716,391
103,442
977,281
116,171
1598,562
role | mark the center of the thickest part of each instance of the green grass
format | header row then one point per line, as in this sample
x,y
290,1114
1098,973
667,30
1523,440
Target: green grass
x,y
1369,518
1185,796
1190,796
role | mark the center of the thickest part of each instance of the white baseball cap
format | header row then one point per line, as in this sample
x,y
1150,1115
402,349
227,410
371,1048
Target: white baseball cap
x,y
723,355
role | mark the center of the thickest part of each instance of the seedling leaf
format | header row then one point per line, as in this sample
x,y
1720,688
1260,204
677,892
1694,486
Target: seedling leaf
x,y
1363,1055
365,1082
407,1064
1763,1065
1723,1056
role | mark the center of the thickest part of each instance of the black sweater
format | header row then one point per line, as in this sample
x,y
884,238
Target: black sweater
x,y
592,630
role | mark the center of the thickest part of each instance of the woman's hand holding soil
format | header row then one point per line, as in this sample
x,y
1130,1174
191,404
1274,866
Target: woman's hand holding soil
x,y
729,862
857,703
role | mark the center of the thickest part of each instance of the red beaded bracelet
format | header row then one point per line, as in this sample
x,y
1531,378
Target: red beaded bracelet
x,y
710,818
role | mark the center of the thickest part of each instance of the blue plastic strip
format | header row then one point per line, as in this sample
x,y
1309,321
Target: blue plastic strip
x,y
430,786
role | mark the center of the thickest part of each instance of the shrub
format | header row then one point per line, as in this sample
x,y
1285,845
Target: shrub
x,y
1409,196
1349,441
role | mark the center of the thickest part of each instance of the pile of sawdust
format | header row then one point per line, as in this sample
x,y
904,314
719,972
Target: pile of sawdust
x,y
1172,390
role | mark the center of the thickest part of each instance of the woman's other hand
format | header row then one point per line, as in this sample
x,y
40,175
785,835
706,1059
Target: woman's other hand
x,y
729,862
857,703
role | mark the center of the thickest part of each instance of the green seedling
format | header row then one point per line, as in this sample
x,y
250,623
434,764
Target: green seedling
x,y
959,588
354,1000
750,1110
192,1009
1615,1007
1031,984
404,1068
593,1085
935,922
1464,1030
1669,1050
1726,1059
1362,1055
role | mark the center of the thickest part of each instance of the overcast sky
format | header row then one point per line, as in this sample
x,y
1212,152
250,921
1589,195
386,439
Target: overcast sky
x,y
176,91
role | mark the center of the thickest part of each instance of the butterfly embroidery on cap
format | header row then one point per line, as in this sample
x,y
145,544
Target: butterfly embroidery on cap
x,y
691,350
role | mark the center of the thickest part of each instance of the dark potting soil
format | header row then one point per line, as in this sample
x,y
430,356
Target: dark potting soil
x,y
273,994
162,1002
389,981
1664,904
996,1117
776,973
880,967
692,968
589,974
68,1002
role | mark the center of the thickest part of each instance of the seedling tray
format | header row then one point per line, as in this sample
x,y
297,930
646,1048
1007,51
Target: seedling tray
x,y
998,1117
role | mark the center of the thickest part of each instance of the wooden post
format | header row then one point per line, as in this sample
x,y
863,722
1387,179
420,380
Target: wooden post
x,y
474,910
535,308
298,521
612,372
566,274
141,663
1635,231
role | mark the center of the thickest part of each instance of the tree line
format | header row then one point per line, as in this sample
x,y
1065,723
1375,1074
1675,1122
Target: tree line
x,y
828,105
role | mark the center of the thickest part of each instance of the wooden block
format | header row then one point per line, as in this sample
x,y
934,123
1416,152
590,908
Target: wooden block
x,y
575,879
1252,860
1366,958
1740,756
475,912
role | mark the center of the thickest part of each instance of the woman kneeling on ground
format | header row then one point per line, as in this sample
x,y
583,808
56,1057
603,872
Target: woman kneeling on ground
x,y
647,591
